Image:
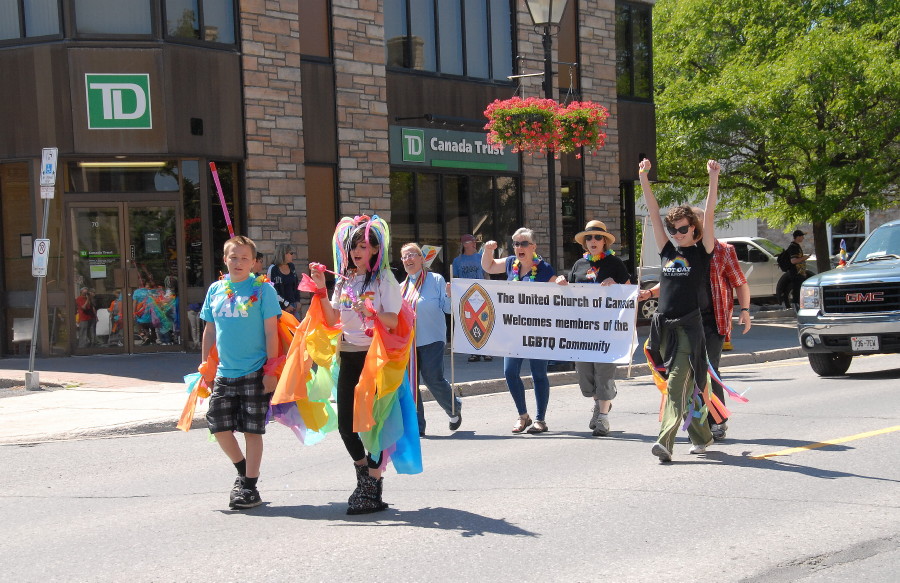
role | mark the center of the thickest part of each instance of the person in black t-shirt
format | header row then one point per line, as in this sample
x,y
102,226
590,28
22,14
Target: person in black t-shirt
x,y
677,341
283,276
798,274
598,265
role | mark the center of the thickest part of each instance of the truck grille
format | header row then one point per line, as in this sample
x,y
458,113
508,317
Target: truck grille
x,y
865,298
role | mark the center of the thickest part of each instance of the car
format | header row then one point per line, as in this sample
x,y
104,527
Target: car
x,y
757,258
854,309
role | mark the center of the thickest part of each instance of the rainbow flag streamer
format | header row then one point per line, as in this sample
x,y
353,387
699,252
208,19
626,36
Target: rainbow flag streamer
x,y
843,254
384,409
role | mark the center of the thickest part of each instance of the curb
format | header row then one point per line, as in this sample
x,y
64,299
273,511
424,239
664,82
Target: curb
x,y
466,389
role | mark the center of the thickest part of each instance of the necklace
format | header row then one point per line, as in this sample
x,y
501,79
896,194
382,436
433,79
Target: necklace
x,y
254,297
591,274
517,266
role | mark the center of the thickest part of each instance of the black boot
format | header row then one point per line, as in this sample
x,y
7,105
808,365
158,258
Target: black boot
x,y
370,498
361,472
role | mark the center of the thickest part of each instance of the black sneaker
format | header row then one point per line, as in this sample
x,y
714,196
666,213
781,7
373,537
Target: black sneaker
x,y
456,421
474,358
235,491
248,498
488,358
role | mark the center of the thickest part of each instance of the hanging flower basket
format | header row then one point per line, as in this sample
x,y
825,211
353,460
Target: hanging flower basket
x,y
541,125
581,126
528,125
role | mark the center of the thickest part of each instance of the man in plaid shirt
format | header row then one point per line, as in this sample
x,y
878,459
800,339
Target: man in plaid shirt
x,y
725,279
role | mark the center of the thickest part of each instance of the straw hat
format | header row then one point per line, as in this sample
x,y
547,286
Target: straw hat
x,y
595,228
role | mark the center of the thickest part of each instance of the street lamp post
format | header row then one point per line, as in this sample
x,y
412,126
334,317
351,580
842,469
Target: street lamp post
x,y
546,14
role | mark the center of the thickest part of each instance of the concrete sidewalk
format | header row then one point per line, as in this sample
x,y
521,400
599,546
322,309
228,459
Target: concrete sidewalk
x,y
109,395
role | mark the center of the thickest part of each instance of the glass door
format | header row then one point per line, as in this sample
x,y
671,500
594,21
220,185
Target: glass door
x,y
152,276
98,279
126,262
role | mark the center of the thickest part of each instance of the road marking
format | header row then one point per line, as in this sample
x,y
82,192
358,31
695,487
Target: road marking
x,y
829,442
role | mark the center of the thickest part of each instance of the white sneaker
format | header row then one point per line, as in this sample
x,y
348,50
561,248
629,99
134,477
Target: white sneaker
x,y
700,448
660,451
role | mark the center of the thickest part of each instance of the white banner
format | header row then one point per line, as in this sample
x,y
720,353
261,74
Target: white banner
x,y
580,321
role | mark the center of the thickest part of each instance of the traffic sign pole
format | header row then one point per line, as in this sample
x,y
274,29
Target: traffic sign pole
x,y
48,179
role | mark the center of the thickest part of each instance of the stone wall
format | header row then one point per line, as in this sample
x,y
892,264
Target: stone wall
x,y
276,209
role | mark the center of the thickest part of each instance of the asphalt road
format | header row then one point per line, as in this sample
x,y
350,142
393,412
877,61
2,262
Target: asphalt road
x,y
492,506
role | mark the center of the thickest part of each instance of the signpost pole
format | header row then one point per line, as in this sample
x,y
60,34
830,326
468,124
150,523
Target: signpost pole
x,y
40,255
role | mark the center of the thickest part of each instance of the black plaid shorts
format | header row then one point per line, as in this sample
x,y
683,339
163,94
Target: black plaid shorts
x,y
239,404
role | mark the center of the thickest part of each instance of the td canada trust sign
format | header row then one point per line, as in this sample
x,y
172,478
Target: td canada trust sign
x,y
118,101
449,149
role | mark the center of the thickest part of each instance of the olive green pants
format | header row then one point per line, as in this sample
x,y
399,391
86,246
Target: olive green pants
x,y
678,400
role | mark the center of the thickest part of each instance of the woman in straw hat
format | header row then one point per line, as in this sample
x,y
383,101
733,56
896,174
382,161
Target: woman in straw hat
x,y
598,265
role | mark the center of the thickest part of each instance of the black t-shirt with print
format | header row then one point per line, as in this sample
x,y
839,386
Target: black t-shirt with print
x,y
684,275
609,266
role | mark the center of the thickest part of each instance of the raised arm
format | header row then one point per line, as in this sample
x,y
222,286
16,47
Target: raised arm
x,y
712,197
488,263
659,233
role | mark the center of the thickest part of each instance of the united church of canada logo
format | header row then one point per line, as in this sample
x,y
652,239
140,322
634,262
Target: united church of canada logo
x,y
477,315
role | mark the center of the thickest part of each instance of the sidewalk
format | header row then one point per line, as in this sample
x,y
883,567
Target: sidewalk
x,y
109,395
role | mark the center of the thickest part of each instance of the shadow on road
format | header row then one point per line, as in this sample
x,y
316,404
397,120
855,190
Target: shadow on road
x,y
467,524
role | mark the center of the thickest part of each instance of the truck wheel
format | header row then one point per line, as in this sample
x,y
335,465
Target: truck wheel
x,y
648,308
829,364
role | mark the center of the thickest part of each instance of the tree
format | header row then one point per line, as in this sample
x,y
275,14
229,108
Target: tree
x,y
799,99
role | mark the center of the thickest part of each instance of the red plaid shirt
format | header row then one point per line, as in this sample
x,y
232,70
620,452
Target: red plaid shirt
x,y
724,275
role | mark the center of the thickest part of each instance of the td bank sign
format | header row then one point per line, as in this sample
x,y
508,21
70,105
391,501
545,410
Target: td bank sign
x,y
120,102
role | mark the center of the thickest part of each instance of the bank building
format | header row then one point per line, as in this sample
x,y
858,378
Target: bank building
x,y
309,110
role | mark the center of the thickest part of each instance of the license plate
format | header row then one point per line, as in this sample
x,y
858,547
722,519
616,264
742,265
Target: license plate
x,y
861,343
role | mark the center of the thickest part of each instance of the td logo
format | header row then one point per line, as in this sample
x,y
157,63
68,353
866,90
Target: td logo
x,y
118,101
413,145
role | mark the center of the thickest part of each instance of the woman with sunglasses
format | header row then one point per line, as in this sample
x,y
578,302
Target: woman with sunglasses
x,y
677,339
427,293
283,276
524,265
598,265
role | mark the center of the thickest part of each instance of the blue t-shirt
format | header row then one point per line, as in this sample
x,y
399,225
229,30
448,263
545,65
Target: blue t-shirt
x,y
431,304
240,334
544,271
468,266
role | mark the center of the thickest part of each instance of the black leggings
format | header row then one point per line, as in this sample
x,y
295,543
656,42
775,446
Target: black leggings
x,y
351,367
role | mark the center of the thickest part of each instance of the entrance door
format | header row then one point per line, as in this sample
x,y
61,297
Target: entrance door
x,y
126,265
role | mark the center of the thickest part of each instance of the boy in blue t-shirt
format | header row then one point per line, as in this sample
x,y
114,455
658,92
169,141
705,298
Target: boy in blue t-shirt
x,y
240,312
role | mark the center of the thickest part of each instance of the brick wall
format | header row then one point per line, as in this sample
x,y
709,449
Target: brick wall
x,y
276,207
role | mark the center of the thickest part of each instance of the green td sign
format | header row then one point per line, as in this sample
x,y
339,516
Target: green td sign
x,y
118,101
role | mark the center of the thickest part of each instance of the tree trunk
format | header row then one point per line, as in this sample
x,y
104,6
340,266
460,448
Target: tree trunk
x,y
822,247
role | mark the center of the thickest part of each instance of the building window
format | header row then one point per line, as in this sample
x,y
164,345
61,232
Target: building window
x,y
472,38
206,20
437,209
573,220
113,17
28,18
634,72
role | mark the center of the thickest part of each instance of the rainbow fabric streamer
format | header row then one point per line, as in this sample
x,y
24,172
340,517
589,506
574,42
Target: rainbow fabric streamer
x,y
702,402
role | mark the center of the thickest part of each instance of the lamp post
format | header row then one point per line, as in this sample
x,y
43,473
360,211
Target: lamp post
x,y
546,14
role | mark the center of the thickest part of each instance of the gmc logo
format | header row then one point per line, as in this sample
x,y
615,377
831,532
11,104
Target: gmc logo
x,y
869,297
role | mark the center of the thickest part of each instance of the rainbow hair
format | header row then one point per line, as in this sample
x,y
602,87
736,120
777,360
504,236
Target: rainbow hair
x,y
344,233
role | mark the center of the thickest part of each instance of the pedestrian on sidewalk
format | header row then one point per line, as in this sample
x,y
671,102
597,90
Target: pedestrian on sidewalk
x,y
599,265
86,318
283,276
366,290
527,266
677,342
428,292
467,265
241,315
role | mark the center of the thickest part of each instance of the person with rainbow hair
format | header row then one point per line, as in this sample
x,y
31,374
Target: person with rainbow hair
x,y
376,413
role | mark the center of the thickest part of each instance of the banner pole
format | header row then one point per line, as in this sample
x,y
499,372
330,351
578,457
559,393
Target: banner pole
x,y
634,337
452,362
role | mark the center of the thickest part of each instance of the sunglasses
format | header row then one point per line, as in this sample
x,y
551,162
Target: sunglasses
x,y
594,237
682,229
522,243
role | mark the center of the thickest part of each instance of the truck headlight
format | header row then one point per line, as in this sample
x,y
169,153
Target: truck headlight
x,y
809,298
